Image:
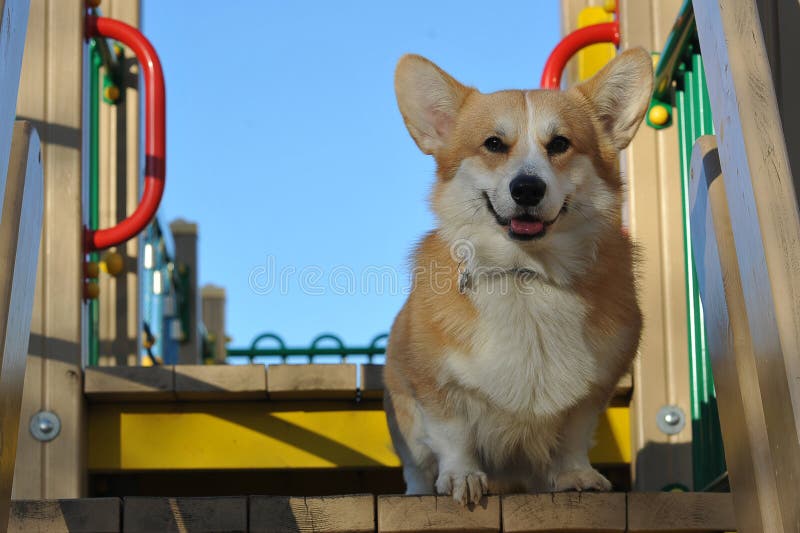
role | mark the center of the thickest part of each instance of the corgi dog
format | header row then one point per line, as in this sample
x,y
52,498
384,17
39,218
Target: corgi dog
x,y
523,313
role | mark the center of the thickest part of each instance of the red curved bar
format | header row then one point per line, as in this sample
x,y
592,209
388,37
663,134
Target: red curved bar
x,y
154,133
608,32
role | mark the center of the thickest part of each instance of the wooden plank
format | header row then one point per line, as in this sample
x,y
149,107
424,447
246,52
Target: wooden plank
x,y
95,515
184,235
179,515
220,382
126,383
13,24
650,166
751,466
51,96
766,226
321,514
119,173
399,514
213,311
371,385
311,382
371,382
657,512
566,511
20,229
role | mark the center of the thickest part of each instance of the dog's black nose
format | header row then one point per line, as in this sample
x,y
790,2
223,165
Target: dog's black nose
x,y
527,190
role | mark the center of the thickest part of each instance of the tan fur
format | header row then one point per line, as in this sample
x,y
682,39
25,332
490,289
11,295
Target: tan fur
x,y
500,384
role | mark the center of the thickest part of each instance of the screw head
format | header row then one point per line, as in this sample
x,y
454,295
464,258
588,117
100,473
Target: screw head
x,y
45,426
670,419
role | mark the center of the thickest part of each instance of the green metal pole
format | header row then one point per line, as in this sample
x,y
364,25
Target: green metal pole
x,y
94,180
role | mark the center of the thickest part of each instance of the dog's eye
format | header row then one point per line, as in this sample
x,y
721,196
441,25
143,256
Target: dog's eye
x,y
494,144
558,145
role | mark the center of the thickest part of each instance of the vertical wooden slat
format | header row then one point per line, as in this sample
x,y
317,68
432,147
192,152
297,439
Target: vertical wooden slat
x,y
750,464
213,318
765,225
13,22
661,372
51,96
119,195
19,250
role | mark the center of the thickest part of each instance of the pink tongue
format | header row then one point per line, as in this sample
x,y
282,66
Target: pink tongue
x,y
526,227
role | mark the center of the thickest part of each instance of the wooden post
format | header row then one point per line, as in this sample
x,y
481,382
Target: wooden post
x,y
751,465
20,230
661,372
214,319
184,234
119,195
13,24
51,97
765,225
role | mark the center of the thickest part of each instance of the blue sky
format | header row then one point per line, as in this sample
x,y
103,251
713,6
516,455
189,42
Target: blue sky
x,y
286,147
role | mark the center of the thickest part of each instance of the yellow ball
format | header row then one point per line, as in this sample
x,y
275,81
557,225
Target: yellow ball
x,y
91,269
91,290
114,263
111,92
658,115
609,6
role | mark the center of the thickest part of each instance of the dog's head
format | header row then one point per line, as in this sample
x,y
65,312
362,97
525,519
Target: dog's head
x,y
525,170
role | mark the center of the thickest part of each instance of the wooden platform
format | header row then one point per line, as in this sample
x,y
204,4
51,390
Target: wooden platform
x,y
190,417
573,512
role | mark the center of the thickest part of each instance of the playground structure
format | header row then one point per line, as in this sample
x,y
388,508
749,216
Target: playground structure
x,y
116,402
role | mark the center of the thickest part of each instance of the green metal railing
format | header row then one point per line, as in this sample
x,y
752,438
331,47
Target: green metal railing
x,y
681,83
312,353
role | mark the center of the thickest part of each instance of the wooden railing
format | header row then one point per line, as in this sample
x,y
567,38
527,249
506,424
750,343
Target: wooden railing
x,y
19,252
746,240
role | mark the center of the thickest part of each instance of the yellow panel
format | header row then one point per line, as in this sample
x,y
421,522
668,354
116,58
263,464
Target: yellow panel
x,y
613,437
252,435
593,58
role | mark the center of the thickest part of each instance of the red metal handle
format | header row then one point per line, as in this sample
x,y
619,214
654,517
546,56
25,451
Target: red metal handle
x,y
154,133
608,32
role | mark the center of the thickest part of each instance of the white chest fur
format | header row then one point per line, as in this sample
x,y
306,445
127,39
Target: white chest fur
x,y
530,357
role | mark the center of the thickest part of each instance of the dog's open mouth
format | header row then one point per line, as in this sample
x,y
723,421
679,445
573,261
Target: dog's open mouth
x,y
523,227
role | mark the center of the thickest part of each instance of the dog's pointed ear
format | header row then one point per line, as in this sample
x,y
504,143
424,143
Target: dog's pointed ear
x,y
429,100
620,94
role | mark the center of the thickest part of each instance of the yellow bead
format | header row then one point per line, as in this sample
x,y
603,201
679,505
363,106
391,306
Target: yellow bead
x,y
111,92
91,290
655,57
610,6
114,263
658,115
91,269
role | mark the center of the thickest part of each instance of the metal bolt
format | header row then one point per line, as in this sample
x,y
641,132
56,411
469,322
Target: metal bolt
x,y
670,419
45,426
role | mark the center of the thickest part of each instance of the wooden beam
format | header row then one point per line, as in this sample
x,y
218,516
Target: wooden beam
x,y
751,465
680,512
51,95
766,227
311,382
127,383
401,514
179,515
88,515
13,24
306,514
220,382
564,511
19,252
650,166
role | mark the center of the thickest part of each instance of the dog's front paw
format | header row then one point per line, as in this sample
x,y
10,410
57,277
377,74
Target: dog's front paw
x,y
583,479
465,487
